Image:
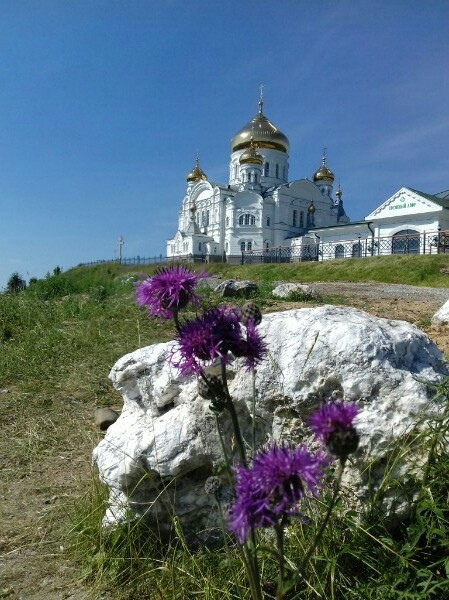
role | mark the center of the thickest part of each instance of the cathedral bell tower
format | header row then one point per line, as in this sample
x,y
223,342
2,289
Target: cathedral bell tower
x,y
323,177
264,138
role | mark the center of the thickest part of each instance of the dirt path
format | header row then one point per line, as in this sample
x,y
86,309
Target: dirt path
x,y
35,494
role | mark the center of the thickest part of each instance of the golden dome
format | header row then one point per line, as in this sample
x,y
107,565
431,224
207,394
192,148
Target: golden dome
x,y
196,174
323,173
311,208
251,156
264,133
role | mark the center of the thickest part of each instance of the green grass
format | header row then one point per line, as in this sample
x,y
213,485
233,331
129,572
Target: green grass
x,y
59,340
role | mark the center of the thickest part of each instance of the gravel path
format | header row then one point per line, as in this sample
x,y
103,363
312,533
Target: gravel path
x,y
383,290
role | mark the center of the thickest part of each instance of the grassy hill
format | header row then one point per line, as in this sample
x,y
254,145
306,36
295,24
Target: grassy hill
x,y
406,268
59,339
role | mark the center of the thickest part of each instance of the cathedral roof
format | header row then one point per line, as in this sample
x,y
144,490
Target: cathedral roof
x,y
263,132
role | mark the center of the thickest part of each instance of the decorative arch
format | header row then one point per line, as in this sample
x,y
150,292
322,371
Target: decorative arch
x,y
406,241
339,251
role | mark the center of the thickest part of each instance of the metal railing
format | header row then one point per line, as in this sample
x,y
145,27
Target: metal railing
x,y
137,260
435,242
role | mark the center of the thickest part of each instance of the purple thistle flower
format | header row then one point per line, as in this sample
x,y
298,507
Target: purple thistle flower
x,y
206,338
168,290
268,493
255,347
333,425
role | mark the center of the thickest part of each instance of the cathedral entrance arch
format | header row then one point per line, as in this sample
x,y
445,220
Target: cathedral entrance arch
x,y
406,241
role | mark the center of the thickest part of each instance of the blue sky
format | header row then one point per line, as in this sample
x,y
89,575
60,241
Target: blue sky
x,y
103,105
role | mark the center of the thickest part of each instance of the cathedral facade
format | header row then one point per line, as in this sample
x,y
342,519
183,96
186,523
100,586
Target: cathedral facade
x,y
259,208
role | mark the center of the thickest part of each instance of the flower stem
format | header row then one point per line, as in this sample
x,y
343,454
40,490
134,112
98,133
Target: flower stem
x,y
253,408
330,508
279,529
234,419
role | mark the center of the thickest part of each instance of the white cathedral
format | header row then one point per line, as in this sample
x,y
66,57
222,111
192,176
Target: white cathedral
x,y
259,208
260,213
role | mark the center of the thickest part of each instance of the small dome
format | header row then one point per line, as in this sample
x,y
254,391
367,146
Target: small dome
x,y
323,174
263,132
311,208
196,174
251,156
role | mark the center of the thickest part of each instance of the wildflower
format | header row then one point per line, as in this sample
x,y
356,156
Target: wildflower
x,y
212,485
167,291
208,337
333,425
268,493
254,346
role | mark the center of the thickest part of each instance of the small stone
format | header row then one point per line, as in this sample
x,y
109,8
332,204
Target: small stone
x,y
104,417
441,317
4,391
295,291
236,289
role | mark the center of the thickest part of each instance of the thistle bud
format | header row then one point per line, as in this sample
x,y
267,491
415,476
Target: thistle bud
x,y
210,388
250,312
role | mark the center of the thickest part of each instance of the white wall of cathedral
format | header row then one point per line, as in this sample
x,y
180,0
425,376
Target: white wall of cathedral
x,y
274,169
421,223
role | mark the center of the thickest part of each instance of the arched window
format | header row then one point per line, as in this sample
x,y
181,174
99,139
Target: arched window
x,y
267,245
226,247
277,171
406,241
227,221
207,217
266,169
295,218
249,246
242,246
301,219
199,246
268,221
357,250
339,251
247,219
236,171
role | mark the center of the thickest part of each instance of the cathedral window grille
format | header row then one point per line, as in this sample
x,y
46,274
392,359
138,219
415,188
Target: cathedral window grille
x,y
301,219
277,171
295,218
266,169
249,246
242,246
268,221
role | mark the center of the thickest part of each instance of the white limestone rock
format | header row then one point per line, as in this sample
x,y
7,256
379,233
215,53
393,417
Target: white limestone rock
x,y
284,290
441,317
157,455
